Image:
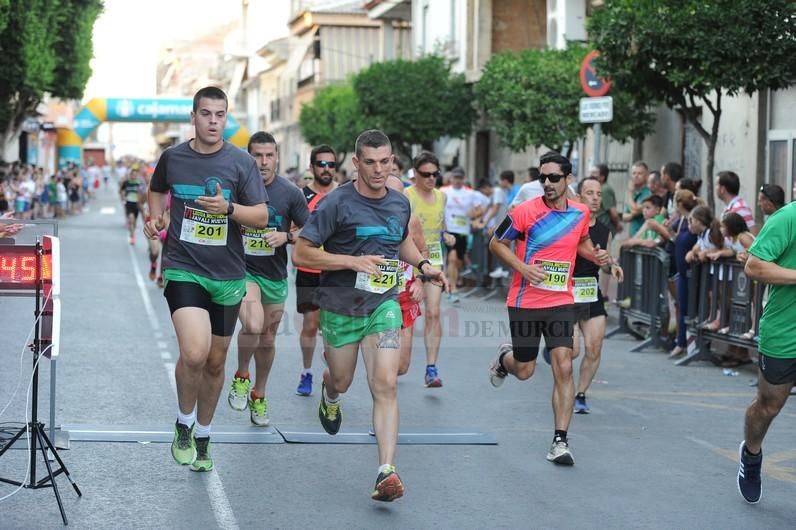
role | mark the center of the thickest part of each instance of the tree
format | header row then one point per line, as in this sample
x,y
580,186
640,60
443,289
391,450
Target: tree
x,y
689,54
45,47
415,102
531,97
332,118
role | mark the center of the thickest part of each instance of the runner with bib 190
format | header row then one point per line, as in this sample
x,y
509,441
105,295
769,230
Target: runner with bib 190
x,y
550,232
266,281
215,188
363,229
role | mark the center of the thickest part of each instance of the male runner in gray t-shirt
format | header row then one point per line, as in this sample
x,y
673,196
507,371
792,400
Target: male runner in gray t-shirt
x,y
362,227
215,188
266,280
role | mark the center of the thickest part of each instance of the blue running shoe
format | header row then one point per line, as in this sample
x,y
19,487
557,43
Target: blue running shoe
x,y
432,379
305,385
749,484
580,404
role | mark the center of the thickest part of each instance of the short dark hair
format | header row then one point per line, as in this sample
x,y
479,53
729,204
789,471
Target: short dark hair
x,y
773,193
209,92
371,138
260,137
484,183
552,157
734,224
690,184
397,162
656,201
507,175
533,173
673,170
603,170
641,163
323,148
425,157
730,181
583,182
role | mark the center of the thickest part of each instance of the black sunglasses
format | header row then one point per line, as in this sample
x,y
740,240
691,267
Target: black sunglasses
x,y
325,163
435,174
552,177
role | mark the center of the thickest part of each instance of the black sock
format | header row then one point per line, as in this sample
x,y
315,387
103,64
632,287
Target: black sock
x,y
750,453
500,361
581,395
560,436
430,366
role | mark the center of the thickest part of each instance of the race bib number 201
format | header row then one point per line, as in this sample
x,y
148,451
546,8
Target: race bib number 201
x,y
557,275
204,228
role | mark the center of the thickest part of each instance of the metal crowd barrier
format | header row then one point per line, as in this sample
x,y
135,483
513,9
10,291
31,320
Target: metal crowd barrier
x,y
722,288
646,286
485,288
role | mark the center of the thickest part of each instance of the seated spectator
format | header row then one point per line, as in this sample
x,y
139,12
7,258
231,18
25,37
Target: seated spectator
x,y
647,236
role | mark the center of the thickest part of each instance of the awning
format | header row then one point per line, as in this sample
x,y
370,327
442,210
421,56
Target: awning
x,y
449,151
298,50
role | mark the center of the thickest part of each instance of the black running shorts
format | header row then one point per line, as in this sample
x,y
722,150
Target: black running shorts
x,y
777,371
306,285
460,246
131,208
223,318
528,326
591,310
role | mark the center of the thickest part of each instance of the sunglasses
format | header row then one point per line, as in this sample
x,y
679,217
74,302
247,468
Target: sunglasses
x,y
325,164
552,177
435,174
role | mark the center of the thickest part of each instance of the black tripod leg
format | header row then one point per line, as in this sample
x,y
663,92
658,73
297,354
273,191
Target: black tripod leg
x,y
61,463
11,442
42,447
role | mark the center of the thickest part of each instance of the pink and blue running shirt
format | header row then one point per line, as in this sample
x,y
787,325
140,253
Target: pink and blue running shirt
x,y
548,237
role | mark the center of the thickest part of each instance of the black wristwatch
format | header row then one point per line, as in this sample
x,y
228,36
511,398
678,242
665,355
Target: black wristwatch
x,y
230,209
422,262
290,238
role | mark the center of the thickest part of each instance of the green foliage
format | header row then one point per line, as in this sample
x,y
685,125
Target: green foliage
x,y
45,47
532,98
415,102
687,54
332,118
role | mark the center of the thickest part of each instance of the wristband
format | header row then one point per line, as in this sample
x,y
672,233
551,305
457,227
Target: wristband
x,y
421,263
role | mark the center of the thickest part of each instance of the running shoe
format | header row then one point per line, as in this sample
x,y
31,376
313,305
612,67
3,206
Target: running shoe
x,y
497,374
498,273
203,462
453,298
432,379
749,484
183,448
388,486
131,240
560,454
580,405
259,412
330,414
305,385
238,396
371,431
152,274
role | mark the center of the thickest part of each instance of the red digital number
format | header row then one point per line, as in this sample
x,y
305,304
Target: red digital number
x,y
28,269
8,266
46,267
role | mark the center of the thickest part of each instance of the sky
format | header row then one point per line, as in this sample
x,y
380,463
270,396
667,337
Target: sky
x,y
129,34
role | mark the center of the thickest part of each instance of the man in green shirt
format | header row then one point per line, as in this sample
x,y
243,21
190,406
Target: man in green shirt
x,y
772,260
636,193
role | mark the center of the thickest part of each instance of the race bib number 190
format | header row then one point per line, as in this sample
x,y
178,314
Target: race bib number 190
x,y
382,284
204,228
254,243
557,275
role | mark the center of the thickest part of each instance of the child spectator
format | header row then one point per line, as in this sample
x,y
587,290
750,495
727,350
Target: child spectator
x,y
648,235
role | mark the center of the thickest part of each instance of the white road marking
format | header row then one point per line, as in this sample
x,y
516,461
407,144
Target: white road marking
x,y
222,509
166,356
162,345
107,210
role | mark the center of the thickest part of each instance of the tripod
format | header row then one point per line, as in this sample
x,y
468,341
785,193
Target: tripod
x,y
35,429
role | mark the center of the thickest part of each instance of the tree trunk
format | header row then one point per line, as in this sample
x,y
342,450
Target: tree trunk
x,y
709,180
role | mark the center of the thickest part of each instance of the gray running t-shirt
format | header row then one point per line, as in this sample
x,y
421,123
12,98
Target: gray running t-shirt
x,y
347,223
287,205
206,244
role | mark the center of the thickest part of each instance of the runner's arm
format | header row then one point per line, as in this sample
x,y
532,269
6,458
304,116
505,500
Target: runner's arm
x,y
306,254
598,256
769,272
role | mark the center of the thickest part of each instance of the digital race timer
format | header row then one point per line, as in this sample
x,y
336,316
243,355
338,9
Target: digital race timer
x,y
18,267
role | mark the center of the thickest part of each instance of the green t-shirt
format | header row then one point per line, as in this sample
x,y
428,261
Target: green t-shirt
x,y
776,243
609,201
650,233
638,220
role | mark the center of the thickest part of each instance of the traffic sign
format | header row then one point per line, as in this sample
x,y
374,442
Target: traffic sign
x,y
591,83
596,110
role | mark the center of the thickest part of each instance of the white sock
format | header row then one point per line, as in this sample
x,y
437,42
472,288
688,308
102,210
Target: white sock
x,y
306,371
328,399
186,419
201,431
384,468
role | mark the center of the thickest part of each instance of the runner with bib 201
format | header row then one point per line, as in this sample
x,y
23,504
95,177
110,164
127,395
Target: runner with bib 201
x,y
550,232
215,188
363,229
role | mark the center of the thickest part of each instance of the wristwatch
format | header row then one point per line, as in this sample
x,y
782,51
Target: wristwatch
x,y
230,209
290,240
421,263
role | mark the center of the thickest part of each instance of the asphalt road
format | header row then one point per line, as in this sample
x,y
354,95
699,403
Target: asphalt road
x,y
658,451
